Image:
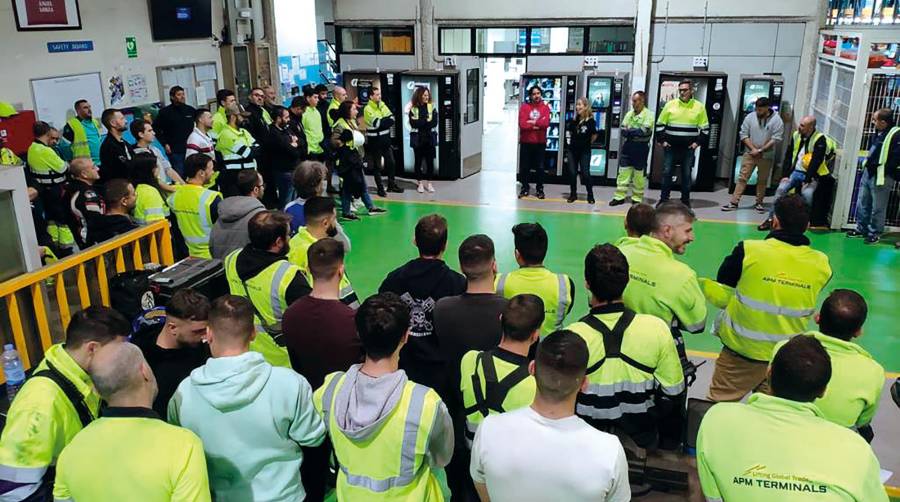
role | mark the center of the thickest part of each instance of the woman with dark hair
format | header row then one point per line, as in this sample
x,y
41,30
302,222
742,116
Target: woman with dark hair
x,y
345,117
149,204
423,136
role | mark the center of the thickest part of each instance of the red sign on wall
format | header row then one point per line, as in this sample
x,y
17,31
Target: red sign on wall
x,y
44,12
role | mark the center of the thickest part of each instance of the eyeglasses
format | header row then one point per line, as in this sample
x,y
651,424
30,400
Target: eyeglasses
x,y
684,90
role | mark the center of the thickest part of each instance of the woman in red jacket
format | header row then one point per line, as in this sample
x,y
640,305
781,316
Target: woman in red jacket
x,y
534,119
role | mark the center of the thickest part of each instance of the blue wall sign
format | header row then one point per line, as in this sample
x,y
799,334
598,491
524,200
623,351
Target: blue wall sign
x,y
73,46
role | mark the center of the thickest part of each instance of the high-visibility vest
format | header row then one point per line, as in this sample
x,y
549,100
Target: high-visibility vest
x,y
390,464
554,289
642,121
883,156
9,158
220,121
81,147
300,244
631,357
267,292
776,449
47,167
775,297
491,382
148,205
680,119
41,411
373,114
133,454
852,395
236,147
830,146
312,128
414,115
333,105
341,124
191,205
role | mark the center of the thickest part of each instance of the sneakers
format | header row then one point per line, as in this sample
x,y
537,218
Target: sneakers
x,y
377,210
855,233
523,192
394,188
350,217
766,225
430,187
759,207
872,239
616,202
420,188
731,206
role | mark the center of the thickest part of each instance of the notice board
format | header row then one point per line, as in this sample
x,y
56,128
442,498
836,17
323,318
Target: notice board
x,y
54,97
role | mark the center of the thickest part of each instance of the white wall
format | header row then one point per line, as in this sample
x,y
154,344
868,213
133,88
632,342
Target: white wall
x,y
106,23
382,10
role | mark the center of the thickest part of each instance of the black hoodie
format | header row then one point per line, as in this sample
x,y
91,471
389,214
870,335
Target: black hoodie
x,y
252,261
421,283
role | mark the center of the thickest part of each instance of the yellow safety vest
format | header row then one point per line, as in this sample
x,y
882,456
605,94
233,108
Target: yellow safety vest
x,y
414,115
390,464
554,289
774,299
149,205
80,146
236,147
47,167
300,244
312,128
220,121
9,158
882,157
341,124
830,146
333,105
373,114
267,293
191,205
491,382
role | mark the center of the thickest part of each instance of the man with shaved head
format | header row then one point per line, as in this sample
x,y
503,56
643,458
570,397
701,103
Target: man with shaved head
x,y
83,202
339,95
130,452
806,159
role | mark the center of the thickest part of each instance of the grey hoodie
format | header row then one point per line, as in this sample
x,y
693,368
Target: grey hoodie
x,y
230,230
363,403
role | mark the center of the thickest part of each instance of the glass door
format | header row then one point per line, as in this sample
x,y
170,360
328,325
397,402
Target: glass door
x,y
599,95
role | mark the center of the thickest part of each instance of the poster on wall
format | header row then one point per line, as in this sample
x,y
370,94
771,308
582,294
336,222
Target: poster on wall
x,y
36,15
116,88
137,88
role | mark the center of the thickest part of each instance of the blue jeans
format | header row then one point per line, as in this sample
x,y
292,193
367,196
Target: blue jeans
x,y
284,183
871,204
177,161
685,156
795,182
346,199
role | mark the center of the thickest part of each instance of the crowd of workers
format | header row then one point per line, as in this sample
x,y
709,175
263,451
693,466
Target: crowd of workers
x,y
443,382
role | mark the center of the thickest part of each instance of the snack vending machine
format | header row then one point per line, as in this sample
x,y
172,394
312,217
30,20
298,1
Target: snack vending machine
x,y
607,96
710,88
753,87
559,92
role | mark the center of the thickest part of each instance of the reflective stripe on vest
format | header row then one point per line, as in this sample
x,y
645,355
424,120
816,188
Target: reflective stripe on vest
x,y
773,309
883,156
414,115
754,335
561,301
275,289
407,448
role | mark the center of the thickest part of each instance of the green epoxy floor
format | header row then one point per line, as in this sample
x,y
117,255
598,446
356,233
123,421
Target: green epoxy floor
x,y
382,243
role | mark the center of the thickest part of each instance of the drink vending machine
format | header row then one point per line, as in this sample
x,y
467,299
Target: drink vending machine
x,y
359,85
559,92
445,96
607,95
753,87
710,88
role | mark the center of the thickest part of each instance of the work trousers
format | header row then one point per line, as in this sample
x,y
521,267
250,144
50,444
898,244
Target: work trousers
x,y
685,157
630,176
531,157
580,165
763,168
735,376
871,204
381,159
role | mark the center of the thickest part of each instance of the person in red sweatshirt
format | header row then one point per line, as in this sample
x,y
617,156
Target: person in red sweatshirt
x,y
534,119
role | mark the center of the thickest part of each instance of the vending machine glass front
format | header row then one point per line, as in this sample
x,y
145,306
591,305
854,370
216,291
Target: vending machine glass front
x,y
599,94
408,84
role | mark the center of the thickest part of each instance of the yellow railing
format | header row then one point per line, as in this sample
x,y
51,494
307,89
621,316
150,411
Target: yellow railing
x,y
159,249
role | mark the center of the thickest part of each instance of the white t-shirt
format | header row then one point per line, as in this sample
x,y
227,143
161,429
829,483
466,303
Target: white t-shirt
x,y
523,456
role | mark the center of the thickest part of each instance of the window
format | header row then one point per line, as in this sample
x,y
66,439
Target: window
x,y
611,40
844,12
396,40
456,40
557,40
473,95
500,40
358,39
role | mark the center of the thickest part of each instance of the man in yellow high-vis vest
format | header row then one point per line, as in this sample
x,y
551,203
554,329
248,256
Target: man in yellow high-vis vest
x,y
49,171
401,431
768,291
780,447
556,290
261,272
878,178
84,132
225,99
196,208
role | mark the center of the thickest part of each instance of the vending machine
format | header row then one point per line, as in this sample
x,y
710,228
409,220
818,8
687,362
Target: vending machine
x,y
444,88
710,88
607,95
753,87
359,85
559,92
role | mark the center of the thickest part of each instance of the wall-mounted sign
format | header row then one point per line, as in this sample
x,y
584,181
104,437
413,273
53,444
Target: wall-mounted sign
x,y
33,15
71,46
131,46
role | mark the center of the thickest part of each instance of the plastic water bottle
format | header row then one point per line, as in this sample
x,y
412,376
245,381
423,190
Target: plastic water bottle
x,y
13,370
